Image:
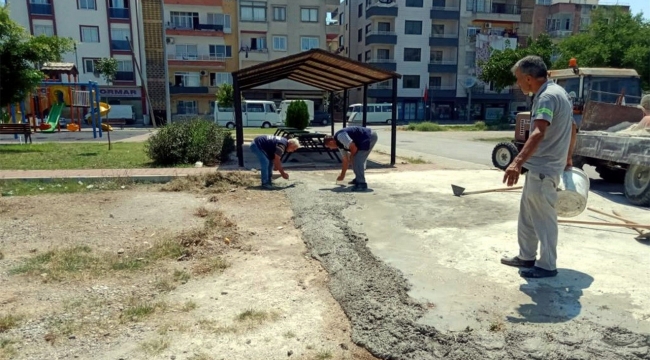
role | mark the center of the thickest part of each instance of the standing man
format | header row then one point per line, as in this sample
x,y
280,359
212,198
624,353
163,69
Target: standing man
x,y
545,155
355,144
269,150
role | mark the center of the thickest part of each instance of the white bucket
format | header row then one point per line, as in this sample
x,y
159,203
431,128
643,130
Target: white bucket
x,y
573,192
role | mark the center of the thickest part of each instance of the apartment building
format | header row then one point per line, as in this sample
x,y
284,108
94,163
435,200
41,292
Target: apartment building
x,y
100,29
275,29
433,44
201,52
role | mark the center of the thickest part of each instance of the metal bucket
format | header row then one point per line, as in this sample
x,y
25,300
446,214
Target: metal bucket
x,y
573,193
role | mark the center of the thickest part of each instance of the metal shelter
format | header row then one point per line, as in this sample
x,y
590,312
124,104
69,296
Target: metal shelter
x,y
320,69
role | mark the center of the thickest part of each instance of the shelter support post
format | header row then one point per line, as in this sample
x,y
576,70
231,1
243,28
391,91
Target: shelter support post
x,y
365,105
345,108
332,111
393,124
239,133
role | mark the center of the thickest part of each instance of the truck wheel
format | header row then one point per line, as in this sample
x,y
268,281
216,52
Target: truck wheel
x,y
266,125
324,122
230,125
610,174
503,154
579,161
637,185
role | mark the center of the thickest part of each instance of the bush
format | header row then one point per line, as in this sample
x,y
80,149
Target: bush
x,y
190,141
297,115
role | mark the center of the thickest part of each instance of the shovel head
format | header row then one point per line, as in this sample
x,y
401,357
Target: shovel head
x,y
643,237
458,190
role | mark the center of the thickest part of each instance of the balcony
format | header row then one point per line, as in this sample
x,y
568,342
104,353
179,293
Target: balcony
x,y
482,93
188,90
384,10
197,30
254,55
448,12
386,64
332,29
558,34
195,60
119,13
443,66
40,9
125,76
381,37
442,91
380,91
120,45
486,10
444,40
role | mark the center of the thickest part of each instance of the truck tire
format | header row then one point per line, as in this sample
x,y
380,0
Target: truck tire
x,y
610,174
579,161
503,154
637,185
230,125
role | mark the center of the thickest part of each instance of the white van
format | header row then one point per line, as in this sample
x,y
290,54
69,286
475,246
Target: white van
x,y
377,113
118,112
284,105
255,113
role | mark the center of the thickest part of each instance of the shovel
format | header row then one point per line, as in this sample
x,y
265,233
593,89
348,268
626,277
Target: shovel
x,y
459,191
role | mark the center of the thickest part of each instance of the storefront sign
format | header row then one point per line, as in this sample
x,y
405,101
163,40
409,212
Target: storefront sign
x,y
120,92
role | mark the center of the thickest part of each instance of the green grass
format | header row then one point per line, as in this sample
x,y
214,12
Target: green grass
x,y
54,156
59,186
256,131
428,126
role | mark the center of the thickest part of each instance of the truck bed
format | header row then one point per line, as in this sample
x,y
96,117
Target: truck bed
x,y
631,149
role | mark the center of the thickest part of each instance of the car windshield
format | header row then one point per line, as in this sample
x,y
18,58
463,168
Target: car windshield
x,y
605,89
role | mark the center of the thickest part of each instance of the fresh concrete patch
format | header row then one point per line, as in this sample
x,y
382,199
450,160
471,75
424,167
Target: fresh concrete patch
x,y
426,281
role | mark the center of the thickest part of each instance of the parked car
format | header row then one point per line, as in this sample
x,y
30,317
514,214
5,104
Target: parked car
x,y
321,118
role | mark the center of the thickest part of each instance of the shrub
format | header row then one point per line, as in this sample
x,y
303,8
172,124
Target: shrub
x,y
190,141
297,115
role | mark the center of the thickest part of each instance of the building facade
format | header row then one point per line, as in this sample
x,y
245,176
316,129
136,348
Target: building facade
x,y
201,50
100,29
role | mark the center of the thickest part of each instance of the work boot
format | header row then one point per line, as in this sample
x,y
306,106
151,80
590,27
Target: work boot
x,y
517,262
353,182
537,273
360,187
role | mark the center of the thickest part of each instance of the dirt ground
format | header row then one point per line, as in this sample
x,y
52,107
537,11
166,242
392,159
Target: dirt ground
x,y
148,274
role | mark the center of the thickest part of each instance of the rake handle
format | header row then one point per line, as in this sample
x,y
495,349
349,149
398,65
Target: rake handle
x,y
632,226
492,190
627,221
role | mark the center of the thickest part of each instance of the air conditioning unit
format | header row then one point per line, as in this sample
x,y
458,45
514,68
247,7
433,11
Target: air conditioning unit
x,y
488,25
203,72
170,40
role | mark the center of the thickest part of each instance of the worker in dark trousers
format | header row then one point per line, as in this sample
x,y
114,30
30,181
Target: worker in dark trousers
x,y
355,144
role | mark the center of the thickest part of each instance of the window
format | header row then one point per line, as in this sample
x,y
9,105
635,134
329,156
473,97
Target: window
x,y
414,3
437,30
309,15
341,19
119,4
187,52
368,55
252,11
183,20
359,58
470,59
411,82
220,78
383,26
360,10
89,65
341,40
412,27
125,65
368,28
280,43
221,51
47,30
89,34
436,56
87,4
383,54
279,13
360,35
308,43
435,82
187,107
258,43
220,19
190,79
120,34
412,54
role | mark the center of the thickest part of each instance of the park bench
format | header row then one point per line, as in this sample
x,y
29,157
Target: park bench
x,y
17,129
120,122
313,142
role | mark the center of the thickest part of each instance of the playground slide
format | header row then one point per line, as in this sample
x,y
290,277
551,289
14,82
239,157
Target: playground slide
x,y
53,117
104,109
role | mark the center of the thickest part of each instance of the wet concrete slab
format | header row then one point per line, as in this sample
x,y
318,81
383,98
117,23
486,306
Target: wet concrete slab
x,y
449,248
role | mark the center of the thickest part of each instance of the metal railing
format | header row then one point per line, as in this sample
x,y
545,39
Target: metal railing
x,y
447,7
198,27
40,9
380,61
195,57
443,62
379,32
560,33
445,35
488,7
372,3
119,13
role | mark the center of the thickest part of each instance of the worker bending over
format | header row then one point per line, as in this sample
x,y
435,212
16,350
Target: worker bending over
x,y
355,144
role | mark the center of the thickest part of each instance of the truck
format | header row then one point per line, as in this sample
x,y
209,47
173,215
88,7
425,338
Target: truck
x,y
605,101
255,113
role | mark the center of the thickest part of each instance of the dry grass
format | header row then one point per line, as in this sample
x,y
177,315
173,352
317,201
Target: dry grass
x,y
189,306
9,321
497,325
201,212
139,310
154,347
7,350
245,321
200,356
209,266
217,182
323,355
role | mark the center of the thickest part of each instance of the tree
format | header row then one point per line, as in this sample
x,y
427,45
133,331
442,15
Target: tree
x,y
225,96
20,56
297,115
614,39
107,68
497,70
